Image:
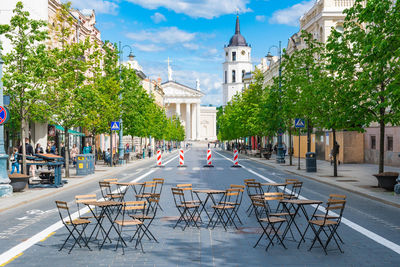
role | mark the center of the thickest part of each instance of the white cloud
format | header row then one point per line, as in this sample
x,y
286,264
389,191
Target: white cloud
x,y
199,8
191,46
148,47
168,35
260,18
158,17
290,16
99,6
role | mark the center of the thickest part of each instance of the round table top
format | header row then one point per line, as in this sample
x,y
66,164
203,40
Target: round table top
x,y
209,191
274,184
302,201
103,203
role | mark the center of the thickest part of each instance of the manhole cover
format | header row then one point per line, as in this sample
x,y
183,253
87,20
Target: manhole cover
x,y
347,181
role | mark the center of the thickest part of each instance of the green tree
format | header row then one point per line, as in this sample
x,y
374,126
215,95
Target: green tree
x,y
26,67
372,34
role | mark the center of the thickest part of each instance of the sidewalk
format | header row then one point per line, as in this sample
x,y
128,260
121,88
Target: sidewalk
x,y
356,178
102,172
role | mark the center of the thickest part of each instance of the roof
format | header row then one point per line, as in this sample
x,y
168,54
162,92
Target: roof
x,y
237,39
187,87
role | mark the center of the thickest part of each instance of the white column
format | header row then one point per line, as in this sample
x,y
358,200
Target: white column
x,y
194,121
198,121
188,121
178,109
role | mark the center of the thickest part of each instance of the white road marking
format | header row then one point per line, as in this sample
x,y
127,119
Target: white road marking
x,y
168,169
196,168
377,238
220,169
21,247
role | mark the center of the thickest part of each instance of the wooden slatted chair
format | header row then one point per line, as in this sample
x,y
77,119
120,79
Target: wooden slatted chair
x,y
148,217
74,227
158,190
107,193
129,207
267,222
254,189
328,226
186,209
147,190
225,208
294,186
237,205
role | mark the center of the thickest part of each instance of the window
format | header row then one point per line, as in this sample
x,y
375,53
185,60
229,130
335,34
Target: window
x,y
373,142
389,143
233,76
243,73
226,77
233,56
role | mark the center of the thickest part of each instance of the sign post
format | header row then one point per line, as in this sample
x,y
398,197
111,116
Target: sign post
x,y
299,123
115,126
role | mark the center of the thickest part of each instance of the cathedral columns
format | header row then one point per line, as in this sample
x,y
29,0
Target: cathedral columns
x,y
194,121
188,122
198,121
178,109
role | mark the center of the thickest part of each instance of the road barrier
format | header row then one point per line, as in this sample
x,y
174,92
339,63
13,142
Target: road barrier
x,y
181,158
236,159
159,161
209,157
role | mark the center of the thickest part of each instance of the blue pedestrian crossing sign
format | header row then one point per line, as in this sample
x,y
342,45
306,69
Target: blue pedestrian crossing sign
x,y
115,126
299,123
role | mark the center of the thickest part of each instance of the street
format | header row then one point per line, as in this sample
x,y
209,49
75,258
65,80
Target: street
x,y
370,229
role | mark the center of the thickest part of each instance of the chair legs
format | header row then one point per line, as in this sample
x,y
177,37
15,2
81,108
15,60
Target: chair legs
x,y
77,239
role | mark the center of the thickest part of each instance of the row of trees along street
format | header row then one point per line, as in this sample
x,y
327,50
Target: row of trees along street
x,y
50,77
347,83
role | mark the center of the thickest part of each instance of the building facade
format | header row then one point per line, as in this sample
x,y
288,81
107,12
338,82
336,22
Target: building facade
x,y
237,64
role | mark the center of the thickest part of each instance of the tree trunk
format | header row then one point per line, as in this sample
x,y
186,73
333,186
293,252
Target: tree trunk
x,y
334,154
382,140
308,136
66,149
290,147
25,171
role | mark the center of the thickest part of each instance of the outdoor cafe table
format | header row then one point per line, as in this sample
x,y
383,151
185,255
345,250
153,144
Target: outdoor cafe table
x,y
130,184
105,207
210,195
274,185
299,204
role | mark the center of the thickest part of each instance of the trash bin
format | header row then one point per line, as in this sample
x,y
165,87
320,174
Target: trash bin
x,y
81,164
90,160
311,162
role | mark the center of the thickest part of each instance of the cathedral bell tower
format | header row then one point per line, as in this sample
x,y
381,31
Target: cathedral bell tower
x,y
237,64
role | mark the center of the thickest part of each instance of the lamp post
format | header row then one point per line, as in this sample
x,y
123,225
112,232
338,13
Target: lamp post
x,y
280,158
121,135
5,187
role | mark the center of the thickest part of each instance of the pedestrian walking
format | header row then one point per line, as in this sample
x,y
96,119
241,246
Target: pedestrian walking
x,y
74,153
14,161
87,149
284,148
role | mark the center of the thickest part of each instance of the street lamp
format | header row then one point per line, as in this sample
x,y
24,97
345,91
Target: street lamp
x,y
121,135
280,158
5,187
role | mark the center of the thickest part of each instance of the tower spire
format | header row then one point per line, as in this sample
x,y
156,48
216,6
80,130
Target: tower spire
x,y
169,71
237,30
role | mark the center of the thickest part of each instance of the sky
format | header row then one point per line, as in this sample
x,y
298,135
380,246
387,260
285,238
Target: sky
x,y
192,33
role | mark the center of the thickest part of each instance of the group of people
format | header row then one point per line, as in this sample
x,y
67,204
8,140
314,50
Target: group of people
x,y
50,149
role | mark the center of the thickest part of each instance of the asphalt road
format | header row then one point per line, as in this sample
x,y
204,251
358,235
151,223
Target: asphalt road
x,y
370,230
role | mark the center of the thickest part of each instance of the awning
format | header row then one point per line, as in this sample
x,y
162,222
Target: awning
x,y
60,128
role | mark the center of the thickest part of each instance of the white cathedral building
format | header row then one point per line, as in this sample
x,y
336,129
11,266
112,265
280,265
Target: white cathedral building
x,y
237,64
200,122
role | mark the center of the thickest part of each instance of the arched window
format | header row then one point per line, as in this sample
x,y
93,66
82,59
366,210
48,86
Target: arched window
x,y
233,76
243,73
233,56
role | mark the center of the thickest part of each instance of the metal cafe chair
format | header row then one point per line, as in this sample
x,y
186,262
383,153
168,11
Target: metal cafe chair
x,y
76,227
130,206
106,192
254,189
186,210
147,190
238,204
147,217
225,208
267,222
158,190
328,226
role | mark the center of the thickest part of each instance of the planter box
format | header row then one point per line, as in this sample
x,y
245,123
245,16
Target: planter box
x,y
18,181
387,180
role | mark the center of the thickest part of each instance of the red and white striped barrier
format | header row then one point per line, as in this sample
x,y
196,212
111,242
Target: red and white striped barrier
x,y
209,159
236,159
181,158
159,160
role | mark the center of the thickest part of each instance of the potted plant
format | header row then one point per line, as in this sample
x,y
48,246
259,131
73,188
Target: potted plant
x,y
387,180
18,181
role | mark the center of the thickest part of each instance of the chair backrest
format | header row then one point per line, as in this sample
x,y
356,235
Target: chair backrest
x,y
105,188
295,188
273,199
149,187
335,205
336,196
79,199
254,189
179,196
241,187
63,210
110,180
187,190
133,207
233,195
260,207
159,185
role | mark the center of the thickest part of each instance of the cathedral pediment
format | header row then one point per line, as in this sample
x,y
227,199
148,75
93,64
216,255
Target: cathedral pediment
x,y
174,89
